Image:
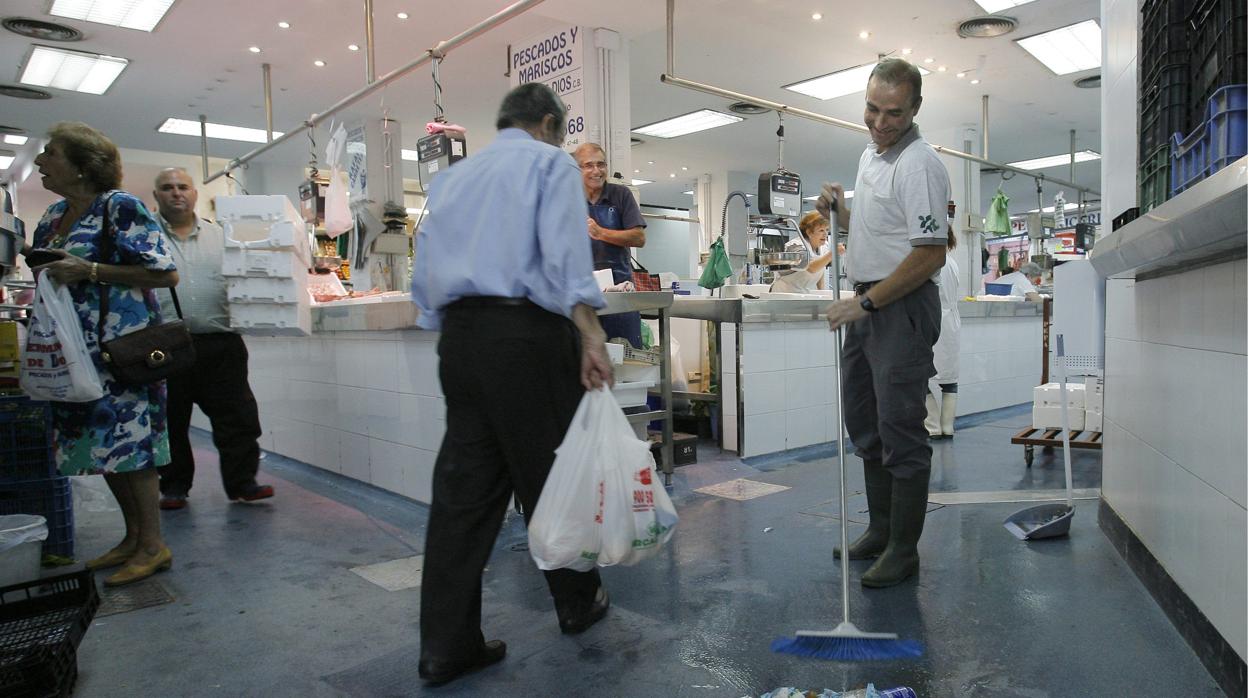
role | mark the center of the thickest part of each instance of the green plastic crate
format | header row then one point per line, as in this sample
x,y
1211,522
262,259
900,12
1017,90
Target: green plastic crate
x,y
1155,178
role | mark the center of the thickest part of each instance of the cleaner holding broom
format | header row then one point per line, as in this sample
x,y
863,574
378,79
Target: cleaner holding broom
x,y
897,237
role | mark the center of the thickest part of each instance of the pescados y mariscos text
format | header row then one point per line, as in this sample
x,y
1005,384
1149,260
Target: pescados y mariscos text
x,y
545,57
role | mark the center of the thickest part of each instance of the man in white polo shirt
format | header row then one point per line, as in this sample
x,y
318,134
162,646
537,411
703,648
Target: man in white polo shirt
x,y
218,380
897,237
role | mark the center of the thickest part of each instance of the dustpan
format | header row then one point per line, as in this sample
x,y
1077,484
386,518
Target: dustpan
x,y
1049,520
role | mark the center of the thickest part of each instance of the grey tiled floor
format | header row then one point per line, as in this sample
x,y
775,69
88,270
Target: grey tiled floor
x,y
266,604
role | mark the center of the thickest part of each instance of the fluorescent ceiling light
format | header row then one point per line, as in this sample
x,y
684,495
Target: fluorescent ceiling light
x,y
1067,50
79,71
16,140
639,182
848,195
991,6
838,84
683,125
6,161
415,211
1049,209
1055,160
186,127
690,192
143,15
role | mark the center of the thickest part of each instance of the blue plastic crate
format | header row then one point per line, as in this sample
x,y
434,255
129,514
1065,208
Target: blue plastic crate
x,y
25,440
1219,141
51,498
998,289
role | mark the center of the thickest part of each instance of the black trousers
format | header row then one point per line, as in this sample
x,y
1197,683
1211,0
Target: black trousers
x,y
218,384
887,361
511,380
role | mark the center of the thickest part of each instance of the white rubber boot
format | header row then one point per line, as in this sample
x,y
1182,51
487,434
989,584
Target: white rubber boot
x,y
933,418
948,410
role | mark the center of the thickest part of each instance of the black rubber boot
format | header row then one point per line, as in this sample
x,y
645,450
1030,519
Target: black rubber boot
x,y
879,488
901,558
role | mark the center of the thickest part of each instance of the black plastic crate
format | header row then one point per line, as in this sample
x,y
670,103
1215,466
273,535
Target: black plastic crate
x,y
41,624
1164,36
1164,107
1218,35
25,440
53,500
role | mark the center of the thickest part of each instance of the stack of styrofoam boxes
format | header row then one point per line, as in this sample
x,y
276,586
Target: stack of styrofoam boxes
x,y
1094,404
1046,408
265,263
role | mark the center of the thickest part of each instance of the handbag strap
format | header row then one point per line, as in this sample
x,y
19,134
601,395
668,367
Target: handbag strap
x,y
637,265
105,246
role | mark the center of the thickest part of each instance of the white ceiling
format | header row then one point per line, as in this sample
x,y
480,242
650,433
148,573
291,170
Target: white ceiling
x,y
197,62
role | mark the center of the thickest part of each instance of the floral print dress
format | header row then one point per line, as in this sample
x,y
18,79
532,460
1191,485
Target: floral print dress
x,y
125,430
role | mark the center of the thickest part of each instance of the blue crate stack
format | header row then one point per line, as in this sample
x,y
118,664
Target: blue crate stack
x,y
29,482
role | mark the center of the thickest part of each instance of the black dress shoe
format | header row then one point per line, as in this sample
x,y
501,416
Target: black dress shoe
x,y
574,623
436,673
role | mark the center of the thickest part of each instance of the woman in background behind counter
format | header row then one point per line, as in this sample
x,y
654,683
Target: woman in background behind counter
x,y
807,274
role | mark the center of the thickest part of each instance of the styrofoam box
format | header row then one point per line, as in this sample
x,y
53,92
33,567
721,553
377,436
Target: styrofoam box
x,y
1050,395
631,394
266,290
615,352
256,208
630,371
276,264
282,235
272,319
1093,420
1051,418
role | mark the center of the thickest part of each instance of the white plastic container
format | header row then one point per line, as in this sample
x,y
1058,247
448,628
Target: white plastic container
x,y
21,547
273,319
282,235
615,352
256,209
274,264
631,394
1051,417
631,371
266,290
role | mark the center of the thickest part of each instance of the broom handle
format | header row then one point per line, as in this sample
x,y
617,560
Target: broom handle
x,y
840,463
1061,367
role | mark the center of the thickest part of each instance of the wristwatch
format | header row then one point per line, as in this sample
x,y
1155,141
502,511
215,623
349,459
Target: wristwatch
x,y
867,305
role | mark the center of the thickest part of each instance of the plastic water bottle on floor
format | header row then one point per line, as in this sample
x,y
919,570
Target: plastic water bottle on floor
x,y
872,692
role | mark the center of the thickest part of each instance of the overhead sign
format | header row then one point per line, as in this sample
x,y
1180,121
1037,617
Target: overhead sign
x,y
557,59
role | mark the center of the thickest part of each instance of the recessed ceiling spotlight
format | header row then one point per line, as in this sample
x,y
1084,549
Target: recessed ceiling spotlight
x,y
319,63
402,15
352,47
816,16
636,171
960,75
907,51
942,69
283,25
864,34
672,175
975,81
254,49
684,169
650,162
929,60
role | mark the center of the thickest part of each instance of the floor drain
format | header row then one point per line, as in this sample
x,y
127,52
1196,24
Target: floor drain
x,y
132,597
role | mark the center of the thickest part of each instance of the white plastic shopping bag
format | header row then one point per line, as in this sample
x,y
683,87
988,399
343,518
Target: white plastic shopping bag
x,y
602,503
56,365
337,201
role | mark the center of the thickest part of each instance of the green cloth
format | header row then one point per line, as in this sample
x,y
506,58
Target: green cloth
x,y
998,220
718,269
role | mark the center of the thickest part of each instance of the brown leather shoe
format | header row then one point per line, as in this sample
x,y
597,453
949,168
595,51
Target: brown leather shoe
x,y
135,572
112,558
252,493
436,673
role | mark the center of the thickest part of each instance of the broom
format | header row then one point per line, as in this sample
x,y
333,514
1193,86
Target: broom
x,y
845,642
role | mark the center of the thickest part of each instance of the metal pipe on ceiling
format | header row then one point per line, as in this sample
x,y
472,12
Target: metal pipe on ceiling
x,y
671,79
370,60
203,143
442,48
983,148
1072,153
267,70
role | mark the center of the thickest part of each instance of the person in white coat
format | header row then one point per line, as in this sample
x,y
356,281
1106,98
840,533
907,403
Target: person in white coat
x,y
940,414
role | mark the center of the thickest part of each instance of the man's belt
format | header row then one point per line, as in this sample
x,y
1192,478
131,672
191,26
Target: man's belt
x,y
863,287
493,302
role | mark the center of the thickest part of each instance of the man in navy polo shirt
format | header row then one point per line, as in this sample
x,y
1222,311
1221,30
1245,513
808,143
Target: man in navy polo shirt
x,y
615,225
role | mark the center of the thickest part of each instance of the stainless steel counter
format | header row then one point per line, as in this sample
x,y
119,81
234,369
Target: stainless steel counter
x,y
807,310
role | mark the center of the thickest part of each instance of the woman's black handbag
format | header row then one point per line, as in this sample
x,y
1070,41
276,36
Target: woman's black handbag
x,y
147,355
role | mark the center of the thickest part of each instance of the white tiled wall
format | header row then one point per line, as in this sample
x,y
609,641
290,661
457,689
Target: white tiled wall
x,y
1176,363
999,362
1175,407
367,405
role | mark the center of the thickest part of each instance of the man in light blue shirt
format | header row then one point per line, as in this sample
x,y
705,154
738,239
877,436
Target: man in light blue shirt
x,y
503,269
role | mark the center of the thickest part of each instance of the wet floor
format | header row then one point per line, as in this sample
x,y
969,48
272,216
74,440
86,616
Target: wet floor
x,y
266,603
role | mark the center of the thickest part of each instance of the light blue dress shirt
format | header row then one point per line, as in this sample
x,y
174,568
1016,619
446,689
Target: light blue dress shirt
x,y
507,221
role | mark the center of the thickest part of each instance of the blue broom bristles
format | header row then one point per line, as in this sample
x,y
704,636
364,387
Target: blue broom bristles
x,y
851,649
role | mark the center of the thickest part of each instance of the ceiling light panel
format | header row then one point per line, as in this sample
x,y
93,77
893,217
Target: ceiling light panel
x,y
688,123
639,182
998,5
143,15
840,83
79,71
12,139
6,161
187,127
1055,160
1067,50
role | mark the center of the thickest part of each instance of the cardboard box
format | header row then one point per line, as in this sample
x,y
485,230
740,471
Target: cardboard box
x,y
10,348
1094,421
1051,417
